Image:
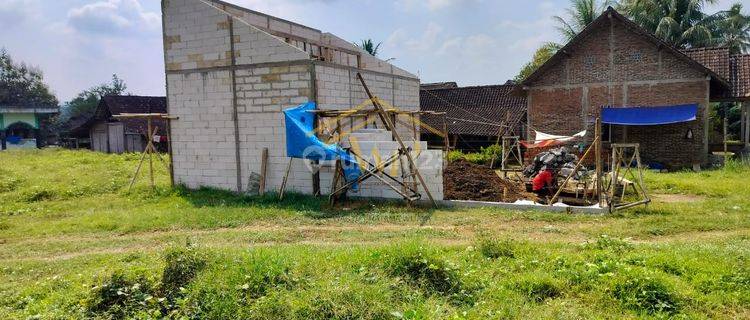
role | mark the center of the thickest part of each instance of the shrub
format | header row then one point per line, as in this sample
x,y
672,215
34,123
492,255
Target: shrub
x,y
493,248
484,156
645,293
538,289
182,265
120,296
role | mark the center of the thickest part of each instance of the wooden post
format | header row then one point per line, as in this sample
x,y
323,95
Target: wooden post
x,y
446,139
726,150
389,125
598,150
169,151
743,126
150,152
746,108
263,169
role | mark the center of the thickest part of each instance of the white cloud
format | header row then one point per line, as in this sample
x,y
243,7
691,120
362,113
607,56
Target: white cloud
x,y
113,17
432,5
426,42
16,12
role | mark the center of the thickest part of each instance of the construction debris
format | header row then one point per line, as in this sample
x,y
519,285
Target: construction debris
x,y
559,160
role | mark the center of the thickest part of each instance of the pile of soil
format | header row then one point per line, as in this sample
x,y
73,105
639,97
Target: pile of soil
x,y
463,180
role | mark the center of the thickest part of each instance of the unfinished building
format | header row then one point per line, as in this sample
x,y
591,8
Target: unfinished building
x,y
231,71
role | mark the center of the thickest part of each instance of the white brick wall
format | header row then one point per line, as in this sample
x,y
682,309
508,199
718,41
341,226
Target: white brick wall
x,y
203,138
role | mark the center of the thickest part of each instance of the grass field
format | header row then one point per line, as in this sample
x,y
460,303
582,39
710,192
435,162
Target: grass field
x,y
75,244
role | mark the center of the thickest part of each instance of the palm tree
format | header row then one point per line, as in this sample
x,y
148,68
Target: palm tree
x,y
731,29
580,14
546,51
678,22
369,46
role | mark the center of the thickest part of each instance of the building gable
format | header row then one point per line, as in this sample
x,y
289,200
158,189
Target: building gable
x,y
615,49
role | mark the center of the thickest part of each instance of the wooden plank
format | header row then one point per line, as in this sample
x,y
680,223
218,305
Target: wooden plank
x,y
263,169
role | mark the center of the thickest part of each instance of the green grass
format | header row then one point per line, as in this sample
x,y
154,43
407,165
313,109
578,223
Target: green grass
x,y
74,243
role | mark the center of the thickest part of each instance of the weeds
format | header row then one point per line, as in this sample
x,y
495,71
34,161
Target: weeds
x,y
182,265
646,293
431,274
493,249
605,242
539,288
120,296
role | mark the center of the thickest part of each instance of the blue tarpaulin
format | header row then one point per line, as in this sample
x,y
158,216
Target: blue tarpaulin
x,y
648,116
302,143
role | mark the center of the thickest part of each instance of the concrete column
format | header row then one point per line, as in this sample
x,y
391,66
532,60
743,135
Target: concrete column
x,y
746,126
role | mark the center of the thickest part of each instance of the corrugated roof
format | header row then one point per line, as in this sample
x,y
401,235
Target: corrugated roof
x,y
473,110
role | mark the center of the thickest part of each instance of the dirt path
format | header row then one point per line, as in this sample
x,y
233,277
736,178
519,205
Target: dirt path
x,y
348,234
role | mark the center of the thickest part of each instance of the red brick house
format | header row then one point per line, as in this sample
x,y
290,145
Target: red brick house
x,y
614,62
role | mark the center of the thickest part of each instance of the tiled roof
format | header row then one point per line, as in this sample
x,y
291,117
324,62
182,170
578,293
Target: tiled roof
x,y
735,68
115,105
473,110
438,85
740,78
716,59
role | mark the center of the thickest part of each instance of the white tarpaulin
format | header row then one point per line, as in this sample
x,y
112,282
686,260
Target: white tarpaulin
x,y
541,136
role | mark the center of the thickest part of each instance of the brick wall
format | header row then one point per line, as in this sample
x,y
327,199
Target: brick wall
x,y
614,66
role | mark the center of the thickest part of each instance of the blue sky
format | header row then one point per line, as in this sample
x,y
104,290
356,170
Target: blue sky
x,y
80,43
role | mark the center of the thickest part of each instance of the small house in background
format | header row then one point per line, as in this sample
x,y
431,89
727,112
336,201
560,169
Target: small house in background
x,y
474,116
23,126
111,135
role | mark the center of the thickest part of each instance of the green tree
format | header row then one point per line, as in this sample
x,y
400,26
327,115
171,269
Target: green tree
x,y
579,15
731,29
679,22
541,56
86,101
369,46
23,85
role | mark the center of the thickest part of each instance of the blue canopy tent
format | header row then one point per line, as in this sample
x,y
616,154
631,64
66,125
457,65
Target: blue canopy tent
x,y
649,116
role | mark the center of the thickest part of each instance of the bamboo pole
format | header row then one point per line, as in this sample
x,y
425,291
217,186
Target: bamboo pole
x,y
286,177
